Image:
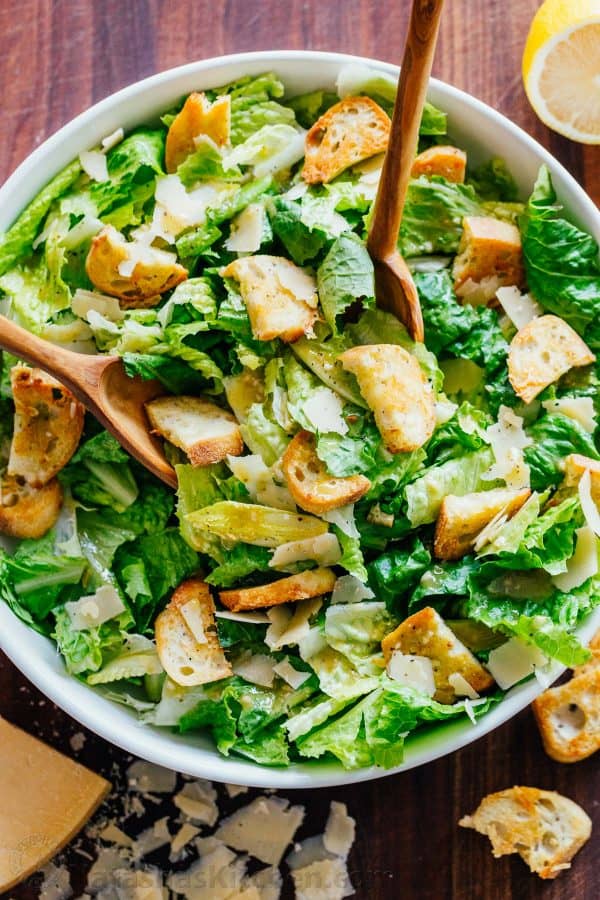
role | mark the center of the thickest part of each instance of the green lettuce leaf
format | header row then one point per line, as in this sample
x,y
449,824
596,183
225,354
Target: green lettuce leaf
x,y
554,437
433,215
393,574
456,476
561,262
345,277
16,242
492,180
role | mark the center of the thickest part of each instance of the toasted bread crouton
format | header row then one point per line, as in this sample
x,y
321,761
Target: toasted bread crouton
x,y
575,464
47,427
311,583
155,271
350,131
449,162
186,637
568,716
541,352
394,386
311,485
27,512
489,257
204,431
461,519
543,827
426,634
280,297
197,117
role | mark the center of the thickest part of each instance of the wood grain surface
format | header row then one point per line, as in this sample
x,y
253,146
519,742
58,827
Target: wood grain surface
x,y
56,58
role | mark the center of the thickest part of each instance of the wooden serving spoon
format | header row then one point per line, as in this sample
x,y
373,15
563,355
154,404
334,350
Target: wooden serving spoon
x,y
394,287
103,386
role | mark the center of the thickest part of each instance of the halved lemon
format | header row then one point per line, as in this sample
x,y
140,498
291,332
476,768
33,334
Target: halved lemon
x,y
561,67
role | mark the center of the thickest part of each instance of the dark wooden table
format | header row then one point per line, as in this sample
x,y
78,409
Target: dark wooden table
x,y
59,56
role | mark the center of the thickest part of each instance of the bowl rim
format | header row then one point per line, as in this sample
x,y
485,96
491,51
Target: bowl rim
x,y
159,745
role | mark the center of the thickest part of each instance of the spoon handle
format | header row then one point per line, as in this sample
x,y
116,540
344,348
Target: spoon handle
x,y
406,120
75,370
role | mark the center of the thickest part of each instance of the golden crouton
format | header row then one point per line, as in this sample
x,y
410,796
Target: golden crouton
x,y
186,637
198,116
47,427
449,162
462,518
393,384
426,634
489,257
280,297
308,584
155,271
575,464
311,485
350,131
204,431
568,716
27,512
543,827
541,352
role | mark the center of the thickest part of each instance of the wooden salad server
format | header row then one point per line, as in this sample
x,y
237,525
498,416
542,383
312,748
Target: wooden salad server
x,y
104,388
394,287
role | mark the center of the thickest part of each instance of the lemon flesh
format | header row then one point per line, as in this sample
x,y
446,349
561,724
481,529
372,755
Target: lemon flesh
x,y
561,68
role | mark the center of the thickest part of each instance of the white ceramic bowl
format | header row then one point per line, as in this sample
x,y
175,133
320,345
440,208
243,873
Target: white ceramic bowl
x,y
476,127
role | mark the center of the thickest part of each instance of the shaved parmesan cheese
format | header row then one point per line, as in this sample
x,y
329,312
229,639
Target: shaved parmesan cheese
x,y
444,410
311,643
413,671
144,776
191,613
263,828
247,230
290,675
181,839
340,830
296,191
588,505
111,140
461,686
324,549
378,517
82,231
56,884
299,282
289,627
491,531
508,439
259,481
343,518
514,661
584,562
290,153
257,669
93,163
217,875
178,209
234,790
152,838
326,879
95,609
349,589
253,618
310,850
138,252
428,263
197,802
267,883
113,834
369,170
324,409
520,308
581,409
84,301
